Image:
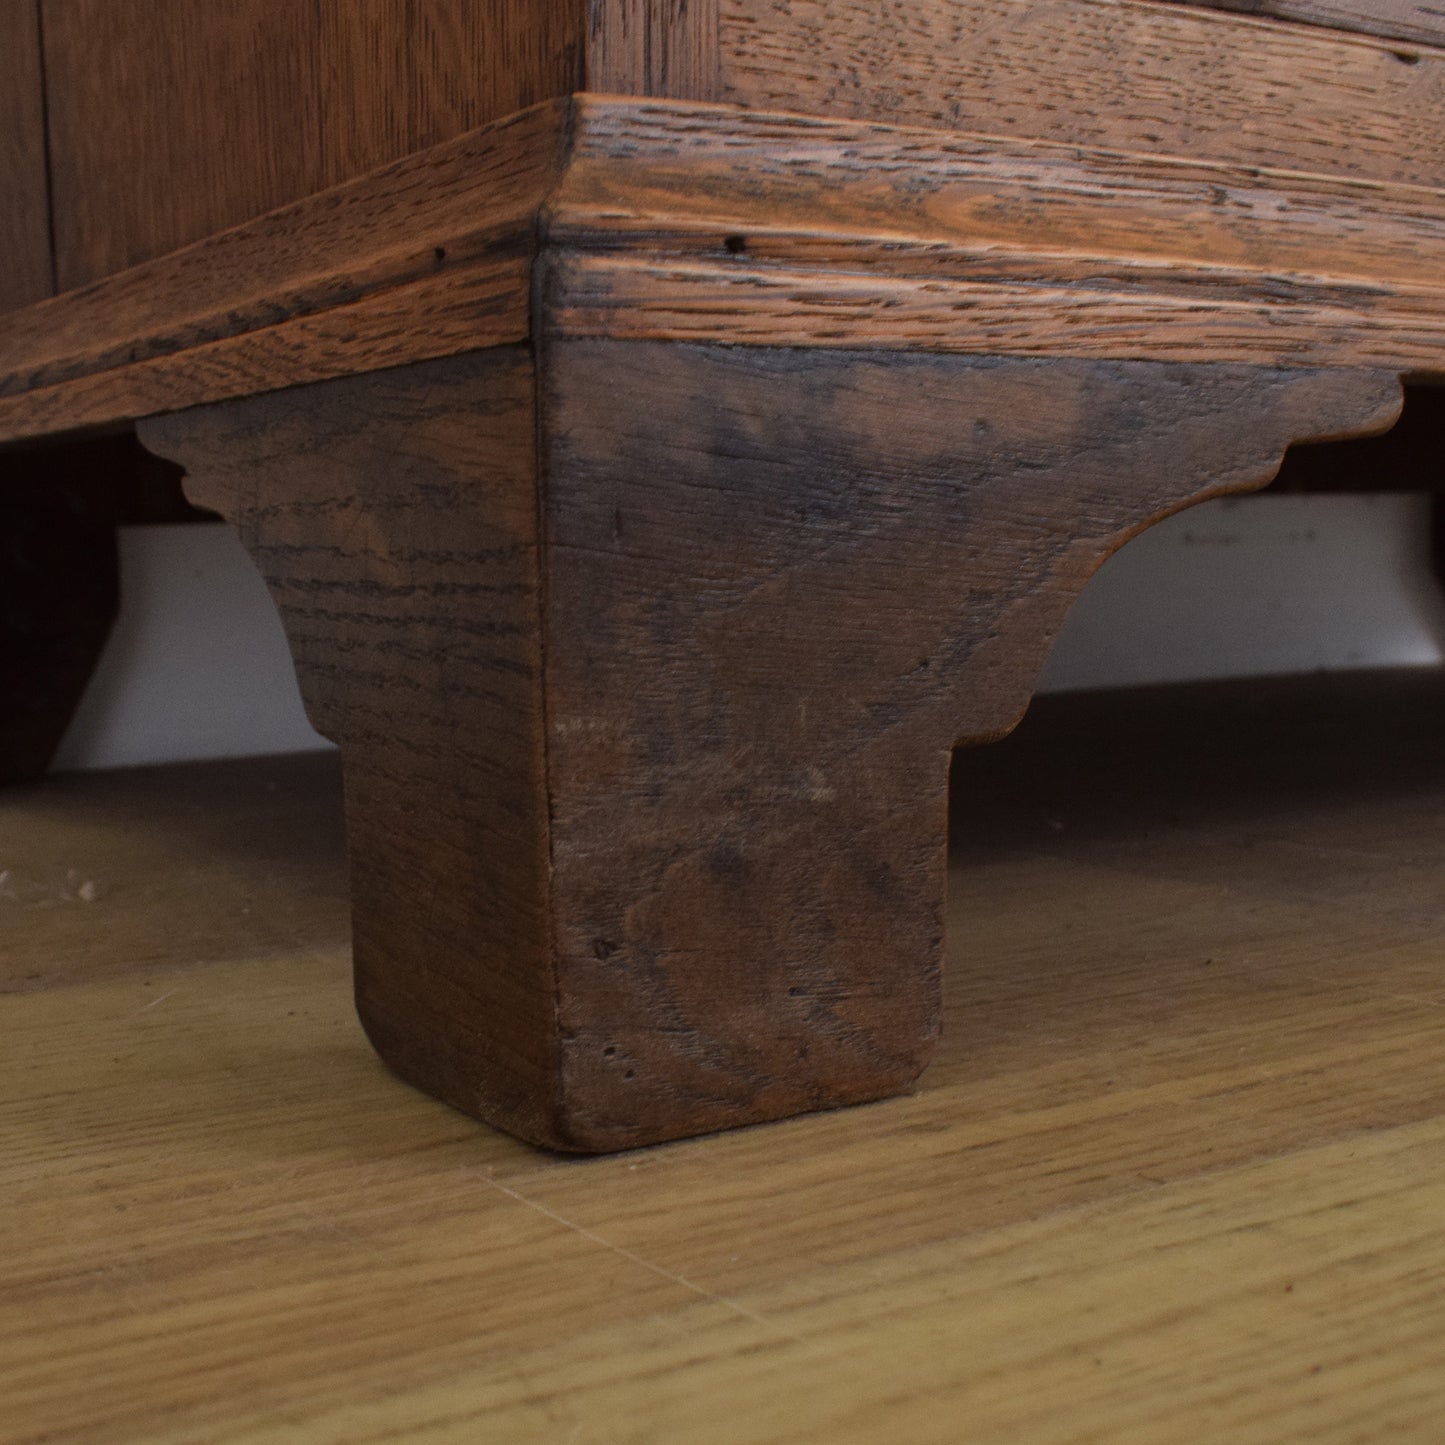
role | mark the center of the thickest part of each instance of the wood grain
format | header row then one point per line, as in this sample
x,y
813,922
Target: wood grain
x,y
577,759
728,637
1410,457
1420,21
205,861
607,878
428,256
702,224
399,76
665,221
171,120
220,114
1125,74
216,114
768,306
24,194
654,47
1175,1178
394,518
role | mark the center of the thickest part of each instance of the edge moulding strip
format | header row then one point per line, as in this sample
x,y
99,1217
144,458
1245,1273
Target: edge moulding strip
x,y
671,221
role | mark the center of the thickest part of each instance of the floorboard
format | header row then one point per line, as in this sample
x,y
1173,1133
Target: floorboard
x,y
1178,1173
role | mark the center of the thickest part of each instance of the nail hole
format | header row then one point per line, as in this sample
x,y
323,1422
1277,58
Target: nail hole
x,y
440,253
630,1074
736,245
602,948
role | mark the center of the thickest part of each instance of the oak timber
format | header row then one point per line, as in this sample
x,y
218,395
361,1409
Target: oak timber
x,y
1175,1178
172,120
654,47
400,76
671,221
1125,74
1421,21
395,519
466,207
24,198
216,114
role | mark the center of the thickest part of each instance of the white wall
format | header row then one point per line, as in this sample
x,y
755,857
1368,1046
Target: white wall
x,y
1252,586
198,666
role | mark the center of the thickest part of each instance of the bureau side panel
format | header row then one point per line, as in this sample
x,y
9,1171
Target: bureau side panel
x,y
170,120
174,119
654,47
1124,74
401,75
24,224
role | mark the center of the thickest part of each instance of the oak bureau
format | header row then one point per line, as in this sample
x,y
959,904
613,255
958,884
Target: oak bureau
x,y
668,428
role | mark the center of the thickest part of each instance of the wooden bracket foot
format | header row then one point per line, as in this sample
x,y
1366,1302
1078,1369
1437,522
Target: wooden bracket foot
x,y
647,660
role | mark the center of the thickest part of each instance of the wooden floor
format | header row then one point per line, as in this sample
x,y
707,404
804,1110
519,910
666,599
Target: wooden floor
x,y
1177,1175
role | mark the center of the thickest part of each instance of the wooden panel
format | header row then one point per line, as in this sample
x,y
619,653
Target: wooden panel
x,y
654,47
398,75
1420,21
1120,73
172,120
25,275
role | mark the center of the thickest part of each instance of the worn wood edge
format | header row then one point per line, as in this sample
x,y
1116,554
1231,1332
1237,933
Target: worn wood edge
x,y
756,306
685,221
710,224
470,308
649,175
1316,405
1387,19
410,224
